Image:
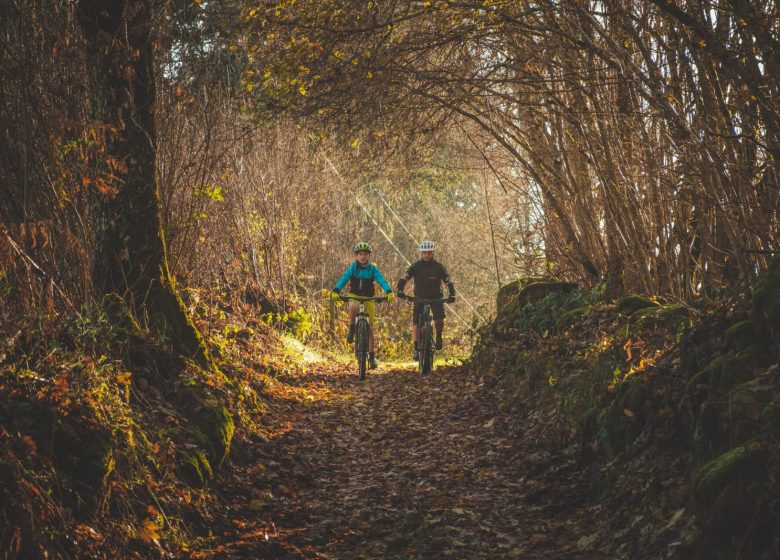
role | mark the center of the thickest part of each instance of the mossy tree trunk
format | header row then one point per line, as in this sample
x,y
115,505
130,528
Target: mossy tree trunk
x,y
131,258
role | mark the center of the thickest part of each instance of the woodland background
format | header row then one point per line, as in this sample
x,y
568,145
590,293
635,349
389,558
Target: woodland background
x,y
165,165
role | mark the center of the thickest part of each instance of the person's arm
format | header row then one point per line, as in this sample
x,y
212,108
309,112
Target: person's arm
x,y
402,281
445,277
344,278
381,280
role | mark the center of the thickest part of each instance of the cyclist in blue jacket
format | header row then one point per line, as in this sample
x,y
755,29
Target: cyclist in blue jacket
x,y
361,275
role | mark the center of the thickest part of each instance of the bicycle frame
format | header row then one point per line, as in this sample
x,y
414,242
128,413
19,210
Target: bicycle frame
x,y
425,344
362,330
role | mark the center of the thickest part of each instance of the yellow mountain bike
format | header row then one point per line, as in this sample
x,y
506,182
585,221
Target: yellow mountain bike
x,y
362,331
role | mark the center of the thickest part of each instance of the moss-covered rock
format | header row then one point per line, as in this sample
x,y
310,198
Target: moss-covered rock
x,y
507,292
770,416
671,317
210,417
630,304
85,453
572,316
624,419
766,304
195,468
746,403
532,293
740,335
723,373
730,484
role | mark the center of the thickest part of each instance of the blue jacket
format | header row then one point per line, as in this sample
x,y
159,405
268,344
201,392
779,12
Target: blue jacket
x,y
361,278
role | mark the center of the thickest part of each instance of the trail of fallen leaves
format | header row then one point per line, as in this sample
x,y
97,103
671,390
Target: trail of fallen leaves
x,y
398,466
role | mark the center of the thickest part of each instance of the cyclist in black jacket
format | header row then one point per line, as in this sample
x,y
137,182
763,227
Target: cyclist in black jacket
x,y
429,275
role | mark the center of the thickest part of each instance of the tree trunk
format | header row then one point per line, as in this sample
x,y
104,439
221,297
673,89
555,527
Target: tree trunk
x,y
131,259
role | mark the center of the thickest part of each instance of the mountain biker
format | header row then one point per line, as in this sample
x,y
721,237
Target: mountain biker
x,y
429,274
362,274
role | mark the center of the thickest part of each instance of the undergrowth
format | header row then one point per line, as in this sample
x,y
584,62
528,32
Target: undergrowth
x,y
110,440
644,389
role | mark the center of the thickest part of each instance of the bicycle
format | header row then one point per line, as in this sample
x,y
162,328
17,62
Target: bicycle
x,y
362,330
425,341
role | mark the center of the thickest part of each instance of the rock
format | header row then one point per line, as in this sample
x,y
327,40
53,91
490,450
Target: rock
x,y
630,304
195,468
208,416
766,304
533,292
730,485
624,418
740,335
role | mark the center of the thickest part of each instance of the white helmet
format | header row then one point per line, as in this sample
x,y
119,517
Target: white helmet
x,y
427,246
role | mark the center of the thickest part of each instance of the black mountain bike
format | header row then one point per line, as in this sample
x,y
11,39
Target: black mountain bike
x,y
362,331
425,340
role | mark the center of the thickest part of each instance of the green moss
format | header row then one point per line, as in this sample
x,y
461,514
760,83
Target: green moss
x,y
195,468
210,418
735,466
766,303
220,427
630,304
724,372
624,418
746,403
84,453
507,292
771,416
740,335
572,316
533,292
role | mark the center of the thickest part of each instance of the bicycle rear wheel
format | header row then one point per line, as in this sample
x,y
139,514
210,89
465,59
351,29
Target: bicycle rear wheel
x,y
361,348
425,350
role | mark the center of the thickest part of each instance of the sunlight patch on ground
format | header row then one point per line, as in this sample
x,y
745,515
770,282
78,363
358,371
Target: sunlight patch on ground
x,y
300,352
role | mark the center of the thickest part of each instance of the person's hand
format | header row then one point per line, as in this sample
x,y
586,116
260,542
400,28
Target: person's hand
x,y
451,299
390,297
334,295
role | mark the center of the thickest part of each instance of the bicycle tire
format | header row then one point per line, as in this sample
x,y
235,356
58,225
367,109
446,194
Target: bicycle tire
x,y
426,347
361,348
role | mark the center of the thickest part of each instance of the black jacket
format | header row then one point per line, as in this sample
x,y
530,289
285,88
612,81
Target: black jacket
x,y
428,278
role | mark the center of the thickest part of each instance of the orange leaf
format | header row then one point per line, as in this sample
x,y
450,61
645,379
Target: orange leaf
x,y
30,443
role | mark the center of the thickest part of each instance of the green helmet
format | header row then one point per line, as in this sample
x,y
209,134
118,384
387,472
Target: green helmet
x,y
362,246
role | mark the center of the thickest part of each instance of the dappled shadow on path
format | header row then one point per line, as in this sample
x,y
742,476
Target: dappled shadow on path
x,y
398,466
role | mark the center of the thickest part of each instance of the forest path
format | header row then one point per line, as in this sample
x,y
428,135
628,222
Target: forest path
x,y
397,466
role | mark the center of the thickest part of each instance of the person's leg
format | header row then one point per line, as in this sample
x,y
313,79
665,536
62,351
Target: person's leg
x,y
416,308
438,319
370,307
353,307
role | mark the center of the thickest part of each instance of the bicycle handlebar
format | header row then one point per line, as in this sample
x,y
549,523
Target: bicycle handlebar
x,y
415,299
363,298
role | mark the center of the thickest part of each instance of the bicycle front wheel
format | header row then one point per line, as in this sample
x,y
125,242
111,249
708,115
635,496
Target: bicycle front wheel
x,y
361,348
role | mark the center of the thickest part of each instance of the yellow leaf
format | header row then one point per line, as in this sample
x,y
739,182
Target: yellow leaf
x,y
302,90
629,413
148,531
370,74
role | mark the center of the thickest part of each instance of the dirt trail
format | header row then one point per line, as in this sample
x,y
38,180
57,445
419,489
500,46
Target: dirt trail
x,y
397,466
